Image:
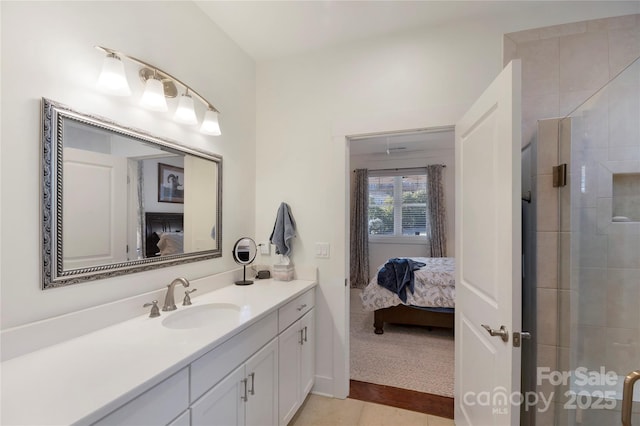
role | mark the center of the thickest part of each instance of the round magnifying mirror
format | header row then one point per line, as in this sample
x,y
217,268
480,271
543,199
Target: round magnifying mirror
x,y
244,252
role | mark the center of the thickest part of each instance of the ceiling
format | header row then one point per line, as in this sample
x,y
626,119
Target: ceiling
x,y
403,143
271,29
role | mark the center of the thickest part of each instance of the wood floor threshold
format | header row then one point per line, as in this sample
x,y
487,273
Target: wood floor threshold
x,y
421,402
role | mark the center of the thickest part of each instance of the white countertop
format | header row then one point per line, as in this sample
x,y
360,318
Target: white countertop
x,y
83,379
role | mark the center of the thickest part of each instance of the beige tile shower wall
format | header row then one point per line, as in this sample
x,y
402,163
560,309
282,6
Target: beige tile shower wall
x,y
563,65
548,236
580,298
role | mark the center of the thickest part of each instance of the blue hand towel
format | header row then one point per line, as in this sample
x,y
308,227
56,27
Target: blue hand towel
x,y
283,230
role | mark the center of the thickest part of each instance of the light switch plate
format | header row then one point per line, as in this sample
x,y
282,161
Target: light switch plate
x,y
265,248
322,250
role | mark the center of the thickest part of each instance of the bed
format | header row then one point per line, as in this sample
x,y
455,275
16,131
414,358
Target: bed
x,y
163,233
431,305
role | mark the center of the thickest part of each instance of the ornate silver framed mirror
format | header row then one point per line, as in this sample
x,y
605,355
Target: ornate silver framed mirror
x,y
117,200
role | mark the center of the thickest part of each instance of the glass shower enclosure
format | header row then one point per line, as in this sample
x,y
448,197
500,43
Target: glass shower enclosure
x,y
599,249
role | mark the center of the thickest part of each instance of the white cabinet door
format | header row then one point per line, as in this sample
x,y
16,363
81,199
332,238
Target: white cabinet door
x,y
307,354
262,374
296,365
289,373
183,419
223,405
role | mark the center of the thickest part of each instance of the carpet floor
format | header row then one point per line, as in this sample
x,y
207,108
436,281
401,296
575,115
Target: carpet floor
x,y
408,357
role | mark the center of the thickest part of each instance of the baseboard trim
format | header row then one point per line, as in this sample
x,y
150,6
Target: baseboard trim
x,y
427,403
323,386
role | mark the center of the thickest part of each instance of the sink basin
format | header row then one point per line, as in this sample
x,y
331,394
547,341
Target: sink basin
x,y
202,315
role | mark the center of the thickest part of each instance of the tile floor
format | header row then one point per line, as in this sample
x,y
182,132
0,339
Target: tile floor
x,y
323,411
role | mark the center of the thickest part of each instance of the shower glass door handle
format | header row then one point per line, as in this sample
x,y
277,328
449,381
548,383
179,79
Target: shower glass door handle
x,y
627,396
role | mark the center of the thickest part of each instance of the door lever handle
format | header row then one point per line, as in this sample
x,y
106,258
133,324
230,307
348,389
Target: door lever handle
x,y
503,333
519,336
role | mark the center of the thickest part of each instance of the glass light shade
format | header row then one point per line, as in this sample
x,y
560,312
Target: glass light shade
x,y
210,125
185,113
112,78
153,96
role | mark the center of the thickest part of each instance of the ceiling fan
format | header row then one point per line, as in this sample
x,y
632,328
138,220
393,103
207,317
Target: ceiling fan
x,y
396,148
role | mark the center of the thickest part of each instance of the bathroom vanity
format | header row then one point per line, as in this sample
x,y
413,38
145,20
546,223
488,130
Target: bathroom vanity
x,y
238,355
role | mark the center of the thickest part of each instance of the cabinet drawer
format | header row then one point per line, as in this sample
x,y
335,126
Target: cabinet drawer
x,y
158,406
295,309
213,366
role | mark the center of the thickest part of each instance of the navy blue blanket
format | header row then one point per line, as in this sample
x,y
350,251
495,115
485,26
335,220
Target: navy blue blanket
x,y
397,275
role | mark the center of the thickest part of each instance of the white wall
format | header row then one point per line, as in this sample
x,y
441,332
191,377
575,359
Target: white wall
x,y
307,104
48,50
380,252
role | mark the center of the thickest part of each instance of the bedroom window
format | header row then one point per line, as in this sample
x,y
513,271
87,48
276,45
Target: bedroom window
x,y
398,204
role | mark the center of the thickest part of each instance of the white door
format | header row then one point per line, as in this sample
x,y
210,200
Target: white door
x,y
134,238
262,386
101,206
488,254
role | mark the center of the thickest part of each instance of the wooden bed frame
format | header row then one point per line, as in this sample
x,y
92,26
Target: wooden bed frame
x,y
403,314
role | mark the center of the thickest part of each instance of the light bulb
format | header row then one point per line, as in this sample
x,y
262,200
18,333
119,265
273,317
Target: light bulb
x,y
210,125
153,96
112,78
185,113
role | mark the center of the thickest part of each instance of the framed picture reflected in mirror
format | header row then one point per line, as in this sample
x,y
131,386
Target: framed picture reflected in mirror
x,y
170,184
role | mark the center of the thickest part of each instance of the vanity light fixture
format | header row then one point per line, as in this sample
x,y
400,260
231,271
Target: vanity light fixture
x,y
112,78
210,125
158,85
153,95
185,113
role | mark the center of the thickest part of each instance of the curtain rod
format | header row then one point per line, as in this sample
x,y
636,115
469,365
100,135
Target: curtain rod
x,y
399,169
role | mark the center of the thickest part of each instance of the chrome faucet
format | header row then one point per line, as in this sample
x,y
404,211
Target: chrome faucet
x,y
169,301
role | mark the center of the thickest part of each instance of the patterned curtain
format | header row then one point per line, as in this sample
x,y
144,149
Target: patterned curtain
x,y
436,212
359,273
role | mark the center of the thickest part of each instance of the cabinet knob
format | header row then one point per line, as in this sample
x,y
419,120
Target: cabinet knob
x,y
302,307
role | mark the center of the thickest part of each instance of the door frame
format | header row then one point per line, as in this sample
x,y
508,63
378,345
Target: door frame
x,y
336,292
439,117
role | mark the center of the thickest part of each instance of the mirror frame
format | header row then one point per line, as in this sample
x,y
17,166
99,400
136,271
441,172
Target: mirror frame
x,y
53,273
235,251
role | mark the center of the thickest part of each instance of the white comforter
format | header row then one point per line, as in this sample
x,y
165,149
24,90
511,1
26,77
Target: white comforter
x,y
171,243
434,287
